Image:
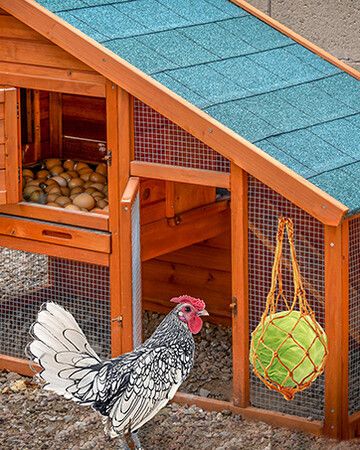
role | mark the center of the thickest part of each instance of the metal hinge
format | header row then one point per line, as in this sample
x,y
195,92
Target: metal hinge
x,y
105,151
233,305
118,319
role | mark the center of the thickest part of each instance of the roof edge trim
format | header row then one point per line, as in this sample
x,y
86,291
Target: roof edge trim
x,y
297,37
257,163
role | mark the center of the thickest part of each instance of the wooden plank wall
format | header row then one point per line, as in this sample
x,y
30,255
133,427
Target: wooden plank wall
x,y
201,270
27,59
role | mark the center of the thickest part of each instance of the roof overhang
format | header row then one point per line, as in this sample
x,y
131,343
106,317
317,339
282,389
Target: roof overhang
x,y
257,163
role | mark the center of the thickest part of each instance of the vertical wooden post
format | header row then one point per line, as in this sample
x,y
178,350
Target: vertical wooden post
x,y
37,126
119,143
55,123
337,329
240,306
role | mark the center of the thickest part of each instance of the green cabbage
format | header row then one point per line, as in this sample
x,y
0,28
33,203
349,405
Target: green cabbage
x,y
290,353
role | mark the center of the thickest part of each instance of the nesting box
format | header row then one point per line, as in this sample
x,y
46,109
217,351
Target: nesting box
x,y
211,121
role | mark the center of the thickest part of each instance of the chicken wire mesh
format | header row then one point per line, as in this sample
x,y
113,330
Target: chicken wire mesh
x,y
354,316
265,207
136,272
28,280
158,140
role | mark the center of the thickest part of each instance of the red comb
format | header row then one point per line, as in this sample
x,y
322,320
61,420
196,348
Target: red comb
x,y
197,303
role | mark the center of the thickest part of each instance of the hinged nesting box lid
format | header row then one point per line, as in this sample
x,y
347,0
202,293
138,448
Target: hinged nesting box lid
x,y
9,147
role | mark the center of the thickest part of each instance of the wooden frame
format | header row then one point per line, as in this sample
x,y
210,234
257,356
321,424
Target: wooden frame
x,y
247,156
128,198
337,329
180,174
240,306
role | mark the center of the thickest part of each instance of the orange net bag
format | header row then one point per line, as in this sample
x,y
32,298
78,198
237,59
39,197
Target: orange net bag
x,y
288,348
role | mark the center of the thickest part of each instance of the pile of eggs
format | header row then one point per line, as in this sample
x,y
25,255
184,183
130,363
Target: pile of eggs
x,y
72,185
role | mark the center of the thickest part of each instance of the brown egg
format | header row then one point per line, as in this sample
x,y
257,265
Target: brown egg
x,y
90,190
60,181
53,190
66,176
62,200
75,182
80,165
34,182
105,190
102,169
28,173
56,170
73,173
69,164
52,197
84,170
84,200
98,186
72,207
65,191
50,163
98,178
101,203
29,190
77,190
97,195
43,174
38,197
51,182
73,196
87,184
85,176
54,204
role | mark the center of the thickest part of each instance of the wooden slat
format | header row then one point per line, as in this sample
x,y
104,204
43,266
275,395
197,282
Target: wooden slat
x,y
152,212
37,53
254,161
57,234
55,122
297,38
271,417
240,301
52,79
2,131
60,251
2,156
12,28
50,214
354,425
18,365
162,237
180,174
337,329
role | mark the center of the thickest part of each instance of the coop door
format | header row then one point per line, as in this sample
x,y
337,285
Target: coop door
x,y
130,206
9,147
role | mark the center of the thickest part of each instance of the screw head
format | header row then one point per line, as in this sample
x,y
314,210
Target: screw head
x,y
332,244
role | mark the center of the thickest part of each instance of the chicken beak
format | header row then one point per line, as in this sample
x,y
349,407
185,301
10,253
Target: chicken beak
x,y
202,313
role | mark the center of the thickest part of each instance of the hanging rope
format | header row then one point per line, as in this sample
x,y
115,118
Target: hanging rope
x,y
288,348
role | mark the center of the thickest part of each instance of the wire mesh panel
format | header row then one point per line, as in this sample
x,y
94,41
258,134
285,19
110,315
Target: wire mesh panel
x,y
265,207
354,316
158,140
136,272
27,280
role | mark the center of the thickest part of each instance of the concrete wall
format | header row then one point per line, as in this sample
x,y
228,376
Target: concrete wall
x,y
332,24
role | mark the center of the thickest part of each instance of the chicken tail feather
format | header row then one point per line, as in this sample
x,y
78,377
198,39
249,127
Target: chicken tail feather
x,y
70,367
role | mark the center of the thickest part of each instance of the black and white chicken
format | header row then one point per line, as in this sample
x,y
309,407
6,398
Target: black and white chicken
x,y
130,389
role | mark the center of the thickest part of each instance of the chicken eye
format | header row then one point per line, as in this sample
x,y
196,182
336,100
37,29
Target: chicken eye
x,y
187,309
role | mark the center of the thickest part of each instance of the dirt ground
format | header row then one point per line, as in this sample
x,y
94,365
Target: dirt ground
x,y
33,419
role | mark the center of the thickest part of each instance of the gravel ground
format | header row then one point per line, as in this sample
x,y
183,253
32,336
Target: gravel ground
x,y
32,419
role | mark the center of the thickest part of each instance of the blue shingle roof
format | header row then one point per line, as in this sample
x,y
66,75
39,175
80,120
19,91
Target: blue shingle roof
x,y
295,106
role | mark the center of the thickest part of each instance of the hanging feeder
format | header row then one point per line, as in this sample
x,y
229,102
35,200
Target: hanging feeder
x,y
288,348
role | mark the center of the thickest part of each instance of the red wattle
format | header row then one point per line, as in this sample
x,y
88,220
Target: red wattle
x,y
195,324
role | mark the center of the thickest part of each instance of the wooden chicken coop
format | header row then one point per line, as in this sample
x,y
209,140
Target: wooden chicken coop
x,y
177,133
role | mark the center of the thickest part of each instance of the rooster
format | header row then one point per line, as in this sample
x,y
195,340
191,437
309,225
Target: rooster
x,y
128,390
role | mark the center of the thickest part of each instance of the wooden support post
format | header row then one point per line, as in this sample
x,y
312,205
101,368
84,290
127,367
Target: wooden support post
x,y
37,126
240,307
55,123
337,328
119,143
